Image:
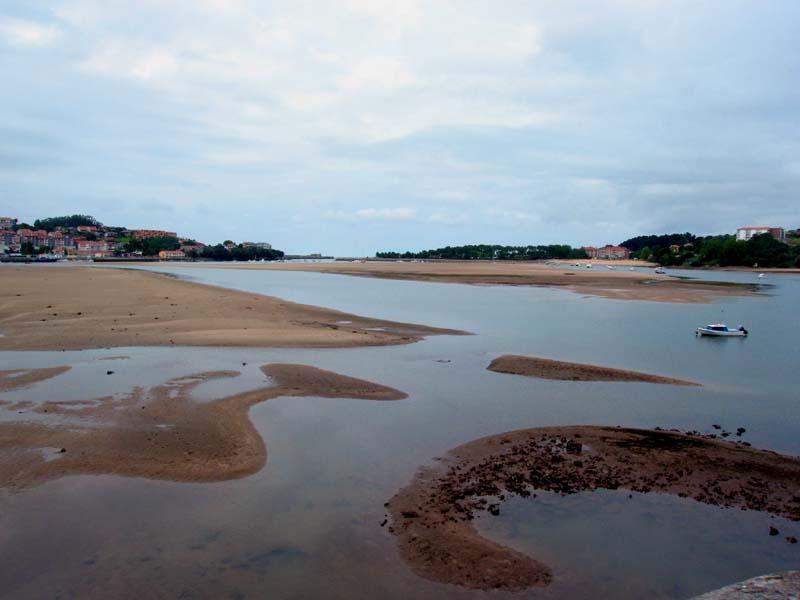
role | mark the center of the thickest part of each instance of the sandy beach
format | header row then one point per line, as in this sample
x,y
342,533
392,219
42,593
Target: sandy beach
x,y
74,307
598,281
161,433
545,368
432,516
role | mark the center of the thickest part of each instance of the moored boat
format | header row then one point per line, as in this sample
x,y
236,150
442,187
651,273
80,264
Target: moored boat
x,y
721,330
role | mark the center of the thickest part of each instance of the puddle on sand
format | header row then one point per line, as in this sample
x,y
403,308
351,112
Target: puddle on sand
x,y
629,546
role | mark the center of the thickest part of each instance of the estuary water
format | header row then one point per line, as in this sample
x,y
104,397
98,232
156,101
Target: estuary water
x,y
309,524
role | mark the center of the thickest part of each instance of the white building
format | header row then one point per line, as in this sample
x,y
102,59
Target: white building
x,y
745,233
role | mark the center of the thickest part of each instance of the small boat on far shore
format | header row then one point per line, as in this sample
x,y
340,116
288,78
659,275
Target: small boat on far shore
x,y
721,330
660,271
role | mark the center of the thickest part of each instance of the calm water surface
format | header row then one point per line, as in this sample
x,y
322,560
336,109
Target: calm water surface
x,y
308,525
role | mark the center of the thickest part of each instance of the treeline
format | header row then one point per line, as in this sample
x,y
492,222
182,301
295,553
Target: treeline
x,y
491,252
712,251
51,223
150,246
220,252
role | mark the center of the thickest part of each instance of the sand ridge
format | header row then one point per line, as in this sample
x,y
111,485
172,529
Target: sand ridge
x,y
15,379
600,281
56,307
432,515
162,433
545,368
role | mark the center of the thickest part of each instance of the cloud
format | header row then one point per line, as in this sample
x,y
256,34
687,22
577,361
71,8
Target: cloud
x,y
147,64
22,33
403,213
434,122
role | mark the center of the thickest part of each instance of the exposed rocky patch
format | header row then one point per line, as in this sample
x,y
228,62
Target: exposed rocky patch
x,y
432,516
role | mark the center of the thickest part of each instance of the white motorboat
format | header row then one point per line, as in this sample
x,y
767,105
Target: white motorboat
x,y
721,330
762,275
660,271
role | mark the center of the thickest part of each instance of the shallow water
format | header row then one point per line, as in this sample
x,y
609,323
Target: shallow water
x,y
308,524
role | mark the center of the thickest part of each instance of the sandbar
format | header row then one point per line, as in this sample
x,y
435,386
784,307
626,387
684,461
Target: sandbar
x,y
72,307
14,379
432,516
161,432
617,284
545,368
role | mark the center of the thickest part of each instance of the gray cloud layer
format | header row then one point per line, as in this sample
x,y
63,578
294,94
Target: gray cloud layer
x,y
368,124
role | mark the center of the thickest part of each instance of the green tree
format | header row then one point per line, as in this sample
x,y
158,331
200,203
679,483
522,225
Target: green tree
x,y
50,223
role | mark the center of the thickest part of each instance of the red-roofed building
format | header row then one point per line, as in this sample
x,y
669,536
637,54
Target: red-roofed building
x,y
91,248
141,234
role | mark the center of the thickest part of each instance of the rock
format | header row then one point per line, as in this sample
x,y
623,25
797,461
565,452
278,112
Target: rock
x,y
740,430
109,372
776,586
791,539
715,426
773,531
62,451
574,447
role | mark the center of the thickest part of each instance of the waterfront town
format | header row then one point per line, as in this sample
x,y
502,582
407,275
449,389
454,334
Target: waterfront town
x,y
82,237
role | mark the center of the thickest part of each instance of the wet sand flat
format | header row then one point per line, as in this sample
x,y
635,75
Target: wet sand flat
x,y
622,285
432,516
73,307
161,432
15,379
545,368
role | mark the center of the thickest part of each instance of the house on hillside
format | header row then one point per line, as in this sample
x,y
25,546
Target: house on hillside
x,y
141,234
745,233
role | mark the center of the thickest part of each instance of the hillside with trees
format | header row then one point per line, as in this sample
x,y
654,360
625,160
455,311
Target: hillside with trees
x,y
240,252
685,249
491,252
51,223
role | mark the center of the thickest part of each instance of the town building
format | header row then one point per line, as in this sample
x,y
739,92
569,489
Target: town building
x,y
171,254
86,229
91,248
607,252
197,247
141,234
7,222
10,240
745,233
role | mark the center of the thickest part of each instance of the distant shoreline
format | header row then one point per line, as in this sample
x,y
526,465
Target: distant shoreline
x,y
621,284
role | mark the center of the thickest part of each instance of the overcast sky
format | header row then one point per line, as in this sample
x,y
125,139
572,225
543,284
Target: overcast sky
x,y
362,125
